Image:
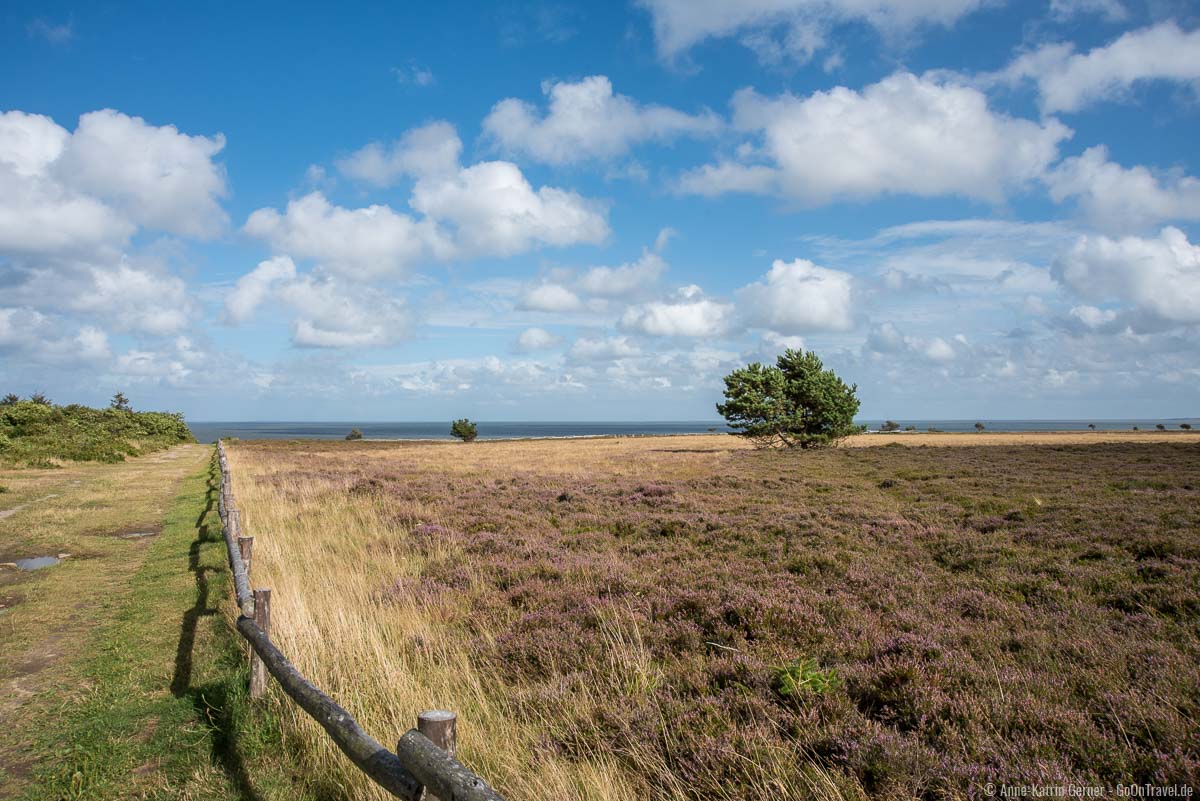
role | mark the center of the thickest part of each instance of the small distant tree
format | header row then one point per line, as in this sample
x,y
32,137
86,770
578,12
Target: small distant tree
x,y
1135,428
464,429
1186,426
890,425
354,434
979,427
1161,427
40,399
11,399
1092,426
120,403
795,402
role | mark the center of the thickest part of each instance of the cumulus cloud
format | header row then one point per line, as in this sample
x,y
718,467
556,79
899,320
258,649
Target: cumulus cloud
x,y
585,120
1069,81
799,297
625,280
28,334
903,135
603,350
489,208
550,297
791,28
255,286
495,211
1117,198
534,339
330,315
688,315
161,178
1111,10
432,149
63,192
136,299
1157,276
367,242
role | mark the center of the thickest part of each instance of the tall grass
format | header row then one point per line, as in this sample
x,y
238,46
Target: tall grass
x,y
609,617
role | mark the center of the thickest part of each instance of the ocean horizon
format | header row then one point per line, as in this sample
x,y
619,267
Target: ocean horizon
x,y
211,430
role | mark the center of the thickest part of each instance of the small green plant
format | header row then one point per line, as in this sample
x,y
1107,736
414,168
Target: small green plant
x,y
354,434
120,403
11,399
40,399
464,429
804,675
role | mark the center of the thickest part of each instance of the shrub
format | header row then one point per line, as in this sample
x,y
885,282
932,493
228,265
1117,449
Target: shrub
x,y
1161,427
464,429
10,399
354,434
804,675
796,402
120,403
890,425
38,433
979,426
1186,426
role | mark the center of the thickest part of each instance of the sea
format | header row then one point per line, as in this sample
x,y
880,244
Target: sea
x,y
211,431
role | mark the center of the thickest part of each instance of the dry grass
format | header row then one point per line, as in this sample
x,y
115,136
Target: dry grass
x,y
608,616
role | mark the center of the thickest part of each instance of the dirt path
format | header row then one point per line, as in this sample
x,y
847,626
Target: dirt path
x,y
47,615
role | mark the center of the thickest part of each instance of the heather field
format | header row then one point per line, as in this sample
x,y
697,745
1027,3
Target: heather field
x,y
688,618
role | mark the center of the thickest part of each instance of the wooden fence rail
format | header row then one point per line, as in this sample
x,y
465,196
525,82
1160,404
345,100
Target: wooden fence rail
x,y
419,769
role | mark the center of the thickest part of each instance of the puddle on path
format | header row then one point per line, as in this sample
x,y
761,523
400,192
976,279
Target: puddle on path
x,y
36,562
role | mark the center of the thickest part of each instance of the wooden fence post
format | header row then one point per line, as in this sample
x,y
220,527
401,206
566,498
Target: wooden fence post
x,y
439,726
246,546
262,617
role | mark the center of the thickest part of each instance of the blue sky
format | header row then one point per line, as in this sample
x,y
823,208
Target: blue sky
x,y
558,211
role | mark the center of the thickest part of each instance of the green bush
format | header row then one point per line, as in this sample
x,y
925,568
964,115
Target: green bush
x,y
37,433
464,429
804,675
354,434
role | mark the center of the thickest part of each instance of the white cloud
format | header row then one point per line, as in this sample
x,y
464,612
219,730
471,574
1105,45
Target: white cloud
x,y
367,242
625,280
585,121
1093,317
432,149
799,297
680,24
783,342
413,74
1123,199
1069,81
905,135
136,299
329,316
533,339
688,316
602,350
27,333
491,207
496,212
255,286
550,297
54,33
74,193
161,178
1158,276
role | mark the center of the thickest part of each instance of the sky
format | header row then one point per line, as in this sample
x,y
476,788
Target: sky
x,y
595,211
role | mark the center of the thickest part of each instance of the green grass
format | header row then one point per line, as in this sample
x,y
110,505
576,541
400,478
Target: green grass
x,y
161,709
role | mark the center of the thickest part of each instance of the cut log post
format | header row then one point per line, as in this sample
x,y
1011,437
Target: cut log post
x,y
262,618
246,546
439,726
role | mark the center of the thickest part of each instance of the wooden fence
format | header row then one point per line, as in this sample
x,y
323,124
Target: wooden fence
x,y
423,765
